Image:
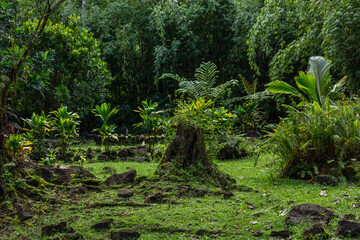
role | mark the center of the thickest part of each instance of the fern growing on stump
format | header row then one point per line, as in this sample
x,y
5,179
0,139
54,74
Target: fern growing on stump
x,y
186,154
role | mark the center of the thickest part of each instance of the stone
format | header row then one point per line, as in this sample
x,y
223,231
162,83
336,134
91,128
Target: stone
x,y
24,213
70,236
55,228
91,182
314,232
104,224
308,213
103,158
281,234
77,190
257,233
61,174
124,235
123,153
120,178
158,197
125,193
348,228
325,180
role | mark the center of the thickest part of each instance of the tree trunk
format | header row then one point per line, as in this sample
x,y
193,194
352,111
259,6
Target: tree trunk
x,y
187,151
83,16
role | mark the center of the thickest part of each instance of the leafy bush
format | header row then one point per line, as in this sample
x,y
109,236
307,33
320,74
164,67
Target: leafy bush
x,y
151,121
17,145
65,124
39,126
317,139
78,77
107,131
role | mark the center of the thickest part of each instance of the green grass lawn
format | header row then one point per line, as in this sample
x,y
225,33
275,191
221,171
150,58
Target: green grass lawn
x,y
181,217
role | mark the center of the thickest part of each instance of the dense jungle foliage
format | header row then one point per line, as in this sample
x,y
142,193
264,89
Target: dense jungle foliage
x,y
121,49
271,85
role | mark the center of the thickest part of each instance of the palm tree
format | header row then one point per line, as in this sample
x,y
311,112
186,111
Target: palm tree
x,y
315,85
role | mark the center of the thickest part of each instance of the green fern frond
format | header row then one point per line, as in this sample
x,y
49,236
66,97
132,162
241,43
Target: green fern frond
x,y
207,73
250,88
176,77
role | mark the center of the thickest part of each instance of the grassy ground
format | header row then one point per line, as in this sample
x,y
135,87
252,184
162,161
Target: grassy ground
x,y
259,205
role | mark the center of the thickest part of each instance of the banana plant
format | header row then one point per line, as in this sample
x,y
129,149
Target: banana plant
x,y
105,112
65,124
314,86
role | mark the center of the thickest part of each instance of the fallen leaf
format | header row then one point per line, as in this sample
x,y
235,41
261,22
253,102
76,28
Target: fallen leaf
x,y
323,193
283,212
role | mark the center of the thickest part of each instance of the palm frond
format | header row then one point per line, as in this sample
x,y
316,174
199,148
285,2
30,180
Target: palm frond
x,y
283,88
307,84
338,88
320,67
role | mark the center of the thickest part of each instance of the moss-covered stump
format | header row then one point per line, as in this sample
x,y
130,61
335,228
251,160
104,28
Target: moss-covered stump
x,y
187,153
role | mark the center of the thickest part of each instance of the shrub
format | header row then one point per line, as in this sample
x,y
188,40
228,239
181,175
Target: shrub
x,y
39,126
317,139
107,131
65,124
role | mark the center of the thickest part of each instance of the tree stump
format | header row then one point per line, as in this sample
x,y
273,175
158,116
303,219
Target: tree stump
x,y
187,151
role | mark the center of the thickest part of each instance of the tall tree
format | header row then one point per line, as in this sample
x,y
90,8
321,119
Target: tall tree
x,y
13,61
83,15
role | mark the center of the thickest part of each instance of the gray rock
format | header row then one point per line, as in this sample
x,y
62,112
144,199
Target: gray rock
x,y
325,180
308,213
281,234
126,177
77,190
315,232
158,197
24,213
56,228
125,193
104,224
124,235
348,228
